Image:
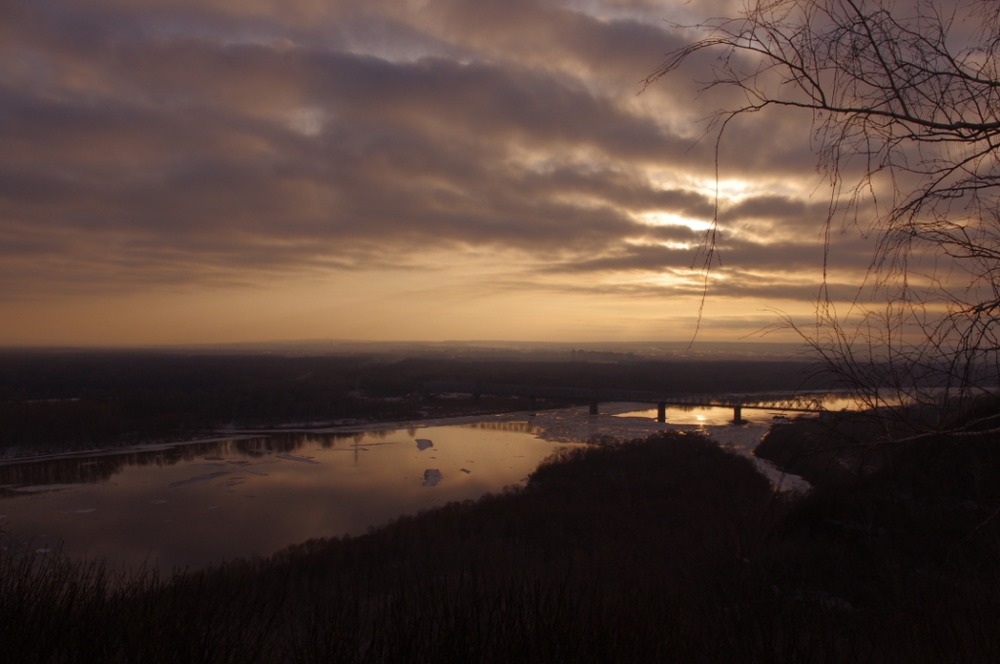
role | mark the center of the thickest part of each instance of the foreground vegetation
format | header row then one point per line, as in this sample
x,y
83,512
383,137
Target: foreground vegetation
x,y
666,549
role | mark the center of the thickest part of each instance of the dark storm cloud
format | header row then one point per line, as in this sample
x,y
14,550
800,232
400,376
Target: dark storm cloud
x,y
621,49
770,207
205,143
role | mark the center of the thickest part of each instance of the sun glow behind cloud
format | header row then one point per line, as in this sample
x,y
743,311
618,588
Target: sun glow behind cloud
x,y
673,219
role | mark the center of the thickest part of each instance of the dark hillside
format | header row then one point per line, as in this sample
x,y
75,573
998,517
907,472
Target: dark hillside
x,y
906,530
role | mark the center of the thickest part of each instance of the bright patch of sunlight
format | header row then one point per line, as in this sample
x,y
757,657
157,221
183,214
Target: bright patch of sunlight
x,y
306,121
729,190
699,274
672,280
664,280
733,190
673,245
671,219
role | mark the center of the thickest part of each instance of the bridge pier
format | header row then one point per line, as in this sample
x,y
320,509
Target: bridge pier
x,y
738,414
593,408
661,412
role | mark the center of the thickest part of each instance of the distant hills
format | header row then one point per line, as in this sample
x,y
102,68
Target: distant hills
x,y
589,351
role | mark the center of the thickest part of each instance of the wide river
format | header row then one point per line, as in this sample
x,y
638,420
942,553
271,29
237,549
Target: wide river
x,y
188,505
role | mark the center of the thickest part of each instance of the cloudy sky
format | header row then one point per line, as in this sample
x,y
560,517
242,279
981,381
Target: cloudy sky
x,y
177,171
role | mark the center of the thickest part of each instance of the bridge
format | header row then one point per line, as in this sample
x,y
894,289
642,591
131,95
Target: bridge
x,y
787,401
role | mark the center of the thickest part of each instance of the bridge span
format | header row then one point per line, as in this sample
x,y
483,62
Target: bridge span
x,y
787,401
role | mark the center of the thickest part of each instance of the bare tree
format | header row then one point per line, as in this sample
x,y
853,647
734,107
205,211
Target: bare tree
x,y
904,100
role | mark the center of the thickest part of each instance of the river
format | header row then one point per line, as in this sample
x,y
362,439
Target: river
x,y
188,505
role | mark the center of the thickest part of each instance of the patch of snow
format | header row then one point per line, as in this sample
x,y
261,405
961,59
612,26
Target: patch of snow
x,y
200,479
781,481
38,488
296,457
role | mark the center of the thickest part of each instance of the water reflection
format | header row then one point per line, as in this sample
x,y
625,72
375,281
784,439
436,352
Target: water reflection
x,y
703,416
78,469
520,427
198,503
719,416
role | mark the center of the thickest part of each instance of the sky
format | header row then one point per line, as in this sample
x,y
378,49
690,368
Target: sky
x,y
211,171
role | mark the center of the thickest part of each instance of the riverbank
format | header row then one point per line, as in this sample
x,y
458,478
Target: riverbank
x,y
14,453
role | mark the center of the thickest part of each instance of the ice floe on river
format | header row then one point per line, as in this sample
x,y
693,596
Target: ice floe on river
x,y
41,488
296,457
432,477
200,479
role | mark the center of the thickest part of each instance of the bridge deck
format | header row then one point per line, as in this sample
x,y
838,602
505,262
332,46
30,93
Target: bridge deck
x,y
790,401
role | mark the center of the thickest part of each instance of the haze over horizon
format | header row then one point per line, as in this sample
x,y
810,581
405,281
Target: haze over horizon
x,y
220,172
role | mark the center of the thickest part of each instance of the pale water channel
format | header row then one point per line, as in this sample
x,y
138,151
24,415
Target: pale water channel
x,y
193,504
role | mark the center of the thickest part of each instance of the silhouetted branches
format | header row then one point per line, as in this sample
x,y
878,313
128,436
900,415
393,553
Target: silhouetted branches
x,y
904,99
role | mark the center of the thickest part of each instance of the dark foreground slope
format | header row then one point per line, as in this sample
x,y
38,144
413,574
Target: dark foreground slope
x,y
914,523
664,550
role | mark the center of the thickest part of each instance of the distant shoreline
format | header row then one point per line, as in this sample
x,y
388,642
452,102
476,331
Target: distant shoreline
x,y
221,435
